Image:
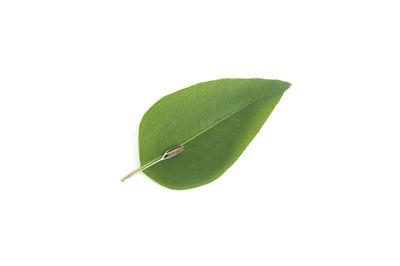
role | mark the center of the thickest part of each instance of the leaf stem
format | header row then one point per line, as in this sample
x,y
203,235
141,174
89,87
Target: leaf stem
x,y
171,152
143,167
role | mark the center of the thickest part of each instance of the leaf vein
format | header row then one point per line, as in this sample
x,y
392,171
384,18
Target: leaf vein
x,y
222,119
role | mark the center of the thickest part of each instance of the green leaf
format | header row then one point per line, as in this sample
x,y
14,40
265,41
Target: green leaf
x,y
214,121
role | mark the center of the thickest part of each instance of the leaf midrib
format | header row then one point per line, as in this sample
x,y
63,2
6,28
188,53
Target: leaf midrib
x,y
222,119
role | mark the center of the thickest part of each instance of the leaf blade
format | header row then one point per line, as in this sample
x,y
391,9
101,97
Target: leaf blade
x,y
215,120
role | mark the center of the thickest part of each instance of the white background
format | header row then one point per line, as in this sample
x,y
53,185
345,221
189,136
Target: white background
x,y
319,185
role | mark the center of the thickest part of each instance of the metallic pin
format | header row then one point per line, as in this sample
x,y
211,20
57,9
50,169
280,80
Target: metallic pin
x,y
171,152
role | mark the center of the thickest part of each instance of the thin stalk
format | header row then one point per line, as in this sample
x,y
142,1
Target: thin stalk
x,y
143,167
168,154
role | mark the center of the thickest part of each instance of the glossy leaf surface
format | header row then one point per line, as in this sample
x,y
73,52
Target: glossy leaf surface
x,y
214,121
